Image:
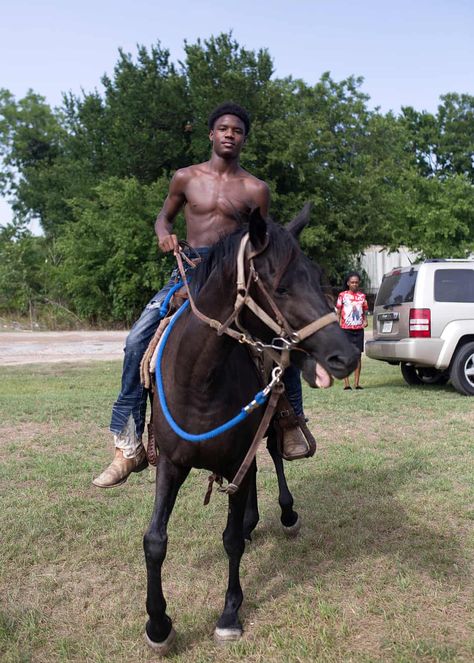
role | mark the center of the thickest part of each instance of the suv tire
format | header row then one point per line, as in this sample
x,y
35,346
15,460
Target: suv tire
x,y
462,370
419,375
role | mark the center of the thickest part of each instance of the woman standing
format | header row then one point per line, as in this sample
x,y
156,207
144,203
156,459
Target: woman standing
x,y
352,310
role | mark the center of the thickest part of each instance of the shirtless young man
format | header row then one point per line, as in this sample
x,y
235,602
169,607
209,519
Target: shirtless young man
x,y
213,194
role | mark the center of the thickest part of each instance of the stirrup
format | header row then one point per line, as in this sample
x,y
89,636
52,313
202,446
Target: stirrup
x,y
294,439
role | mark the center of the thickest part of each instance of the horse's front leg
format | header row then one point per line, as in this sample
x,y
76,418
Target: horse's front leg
x,y
229,627
159,632
289,517
251,516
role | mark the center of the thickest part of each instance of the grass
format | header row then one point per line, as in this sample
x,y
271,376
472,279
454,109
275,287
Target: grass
x,y
382,569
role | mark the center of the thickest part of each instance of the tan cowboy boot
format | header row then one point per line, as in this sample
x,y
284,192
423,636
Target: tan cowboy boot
x,y
120,469
297,440
294,438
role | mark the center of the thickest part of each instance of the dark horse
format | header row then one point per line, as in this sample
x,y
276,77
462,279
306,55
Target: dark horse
x,y
209,377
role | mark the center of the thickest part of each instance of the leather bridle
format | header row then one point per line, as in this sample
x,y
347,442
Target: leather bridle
x,y
287,339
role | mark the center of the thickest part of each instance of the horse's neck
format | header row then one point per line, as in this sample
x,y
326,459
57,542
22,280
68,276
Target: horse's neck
x,y
200,352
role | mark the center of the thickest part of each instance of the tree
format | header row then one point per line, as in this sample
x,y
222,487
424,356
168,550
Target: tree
x,y
96,170
30,137
137,128
442,144
438,219
22,275
109,262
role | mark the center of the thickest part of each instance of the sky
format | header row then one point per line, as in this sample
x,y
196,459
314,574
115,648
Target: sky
x,y
409,52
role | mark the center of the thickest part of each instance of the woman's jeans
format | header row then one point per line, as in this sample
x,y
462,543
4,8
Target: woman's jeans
x,y
130,405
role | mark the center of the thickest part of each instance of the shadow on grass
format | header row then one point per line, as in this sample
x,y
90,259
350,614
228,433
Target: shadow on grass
x,y
347,517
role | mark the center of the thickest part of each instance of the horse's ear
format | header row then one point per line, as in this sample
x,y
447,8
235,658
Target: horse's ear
x,y
257,229
300,221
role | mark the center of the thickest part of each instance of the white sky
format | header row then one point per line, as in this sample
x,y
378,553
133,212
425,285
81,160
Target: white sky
x,y
408,51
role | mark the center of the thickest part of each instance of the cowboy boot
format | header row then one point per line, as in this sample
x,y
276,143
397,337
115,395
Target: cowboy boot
x,y
120,468
293,436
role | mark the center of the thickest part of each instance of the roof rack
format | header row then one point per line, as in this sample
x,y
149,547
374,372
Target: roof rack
x,y
448,260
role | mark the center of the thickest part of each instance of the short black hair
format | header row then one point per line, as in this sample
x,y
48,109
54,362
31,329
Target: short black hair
x,y
349,276
229,108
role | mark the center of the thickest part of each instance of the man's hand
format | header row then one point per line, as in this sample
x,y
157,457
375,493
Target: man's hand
x,y
168,243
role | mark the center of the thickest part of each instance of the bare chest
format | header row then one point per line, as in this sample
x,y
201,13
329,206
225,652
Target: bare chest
x,y
215,197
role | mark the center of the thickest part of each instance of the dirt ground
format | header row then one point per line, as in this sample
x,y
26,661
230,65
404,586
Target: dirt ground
x,y
26,347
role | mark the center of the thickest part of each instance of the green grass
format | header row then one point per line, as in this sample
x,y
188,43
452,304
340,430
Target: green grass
x,y
381,571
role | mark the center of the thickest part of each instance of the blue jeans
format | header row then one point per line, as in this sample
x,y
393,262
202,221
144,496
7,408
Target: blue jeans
x,y
133,395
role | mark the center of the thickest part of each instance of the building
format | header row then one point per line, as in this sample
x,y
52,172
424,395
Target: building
x,y
377,261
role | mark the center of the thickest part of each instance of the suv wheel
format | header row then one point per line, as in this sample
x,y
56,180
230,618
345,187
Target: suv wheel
x,y
422,375
462,370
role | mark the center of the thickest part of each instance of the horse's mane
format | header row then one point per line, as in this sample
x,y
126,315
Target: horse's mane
x,y
222,256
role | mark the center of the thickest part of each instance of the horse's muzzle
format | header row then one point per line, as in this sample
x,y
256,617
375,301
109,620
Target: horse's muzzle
x,y
342,365
335,365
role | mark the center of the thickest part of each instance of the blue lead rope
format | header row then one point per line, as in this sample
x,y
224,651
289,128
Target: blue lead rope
x,y
166,302
259,399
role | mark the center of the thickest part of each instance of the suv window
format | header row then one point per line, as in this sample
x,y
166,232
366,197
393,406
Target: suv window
x,y
454,285
397,288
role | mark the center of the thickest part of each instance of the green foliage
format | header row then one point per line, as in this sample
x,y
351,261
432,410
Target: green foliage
x,y
109,262
30,143
138,128
22,273
442,144
95,171
438,220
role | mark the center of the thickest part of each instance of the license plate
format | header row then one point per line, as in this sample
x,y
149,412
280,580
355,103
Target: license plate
x,y
387,327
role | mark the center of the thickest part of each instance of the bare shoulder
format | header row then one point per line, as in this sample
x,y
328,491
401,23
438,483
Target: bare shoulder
x,y
182,175
259,192
259,186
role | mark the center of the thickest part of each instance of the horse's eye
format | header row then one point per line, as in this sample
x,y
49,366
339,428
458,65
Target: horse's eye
x,y
281,291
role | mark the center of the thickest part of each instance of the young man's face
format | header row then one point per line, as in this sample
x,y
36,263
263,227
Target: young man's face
x,y
228,136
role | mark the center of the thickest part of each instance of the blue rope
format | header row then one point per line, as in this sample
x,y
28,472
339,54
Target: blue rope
x,y
259,399
166,302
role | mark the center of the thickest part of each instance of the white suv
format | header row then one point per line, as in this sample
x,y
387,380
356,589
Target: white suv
x,y
424,321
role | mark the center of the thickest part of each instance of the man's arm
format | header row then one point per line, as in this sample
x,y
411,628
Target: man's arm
x,y
175,201
262,198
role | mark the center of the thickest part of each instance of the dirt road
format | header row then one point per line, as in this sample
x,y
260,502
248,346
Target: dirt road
x,y
25,347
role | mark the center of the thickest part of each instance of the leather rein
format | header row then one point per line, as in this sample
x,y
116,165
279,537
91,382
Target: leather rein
x,y
279,349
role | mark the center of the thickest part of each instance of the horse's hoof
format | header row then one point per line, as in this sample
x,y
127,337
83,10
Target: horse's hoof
x,y
293,530
223,635
161,648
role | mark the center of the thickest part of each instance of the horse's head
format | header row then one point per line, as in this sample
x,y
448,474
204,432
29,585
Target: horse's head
x,y
292,291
